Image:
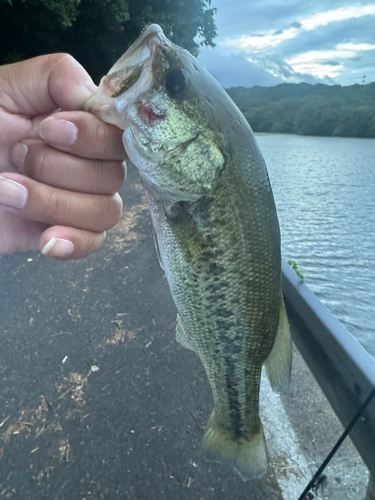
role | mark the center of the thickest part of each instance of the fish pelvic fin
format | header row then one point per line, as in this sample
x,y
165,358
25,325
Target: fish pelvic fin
x,y
279,363
247,455
157,247
181,335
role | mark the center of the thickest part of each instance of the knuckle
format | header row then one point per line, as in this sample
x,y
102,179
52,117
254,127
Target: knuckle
x,y
60,58
41,163
88,247
102,137
53,207
107,139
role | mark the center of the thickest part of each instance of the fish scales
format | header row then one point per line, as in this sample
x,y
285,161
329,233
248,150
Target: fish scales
x,y
236,299
216,230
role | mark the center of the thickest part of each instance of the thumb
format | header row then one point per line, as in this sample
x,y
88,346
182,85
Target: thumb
x,y
42,84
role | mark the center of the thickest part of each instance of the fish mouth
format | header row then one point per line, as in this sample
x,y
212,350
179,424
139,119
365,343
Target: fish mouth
x,y
131,76
126,72
145,45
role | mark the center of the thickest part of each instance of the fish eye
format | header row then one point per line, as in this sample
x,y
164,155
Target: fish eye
x,y
176,83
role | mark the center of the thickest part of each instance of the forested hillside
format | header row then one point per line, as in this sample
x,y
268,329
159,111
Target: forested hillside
x,y
97,32
309,109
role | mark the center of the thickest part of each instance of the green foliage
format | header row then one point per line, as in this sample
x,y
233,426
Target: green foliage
x,y
309,109
293,265
97,32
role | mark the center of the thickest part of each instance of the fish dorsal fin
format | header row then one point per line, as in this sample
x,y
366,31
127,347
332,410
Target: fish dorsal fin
x,y
279,363
181,335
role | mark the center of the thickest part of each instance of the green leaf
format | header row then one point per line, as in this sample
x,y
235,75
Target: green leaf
x,y
293,265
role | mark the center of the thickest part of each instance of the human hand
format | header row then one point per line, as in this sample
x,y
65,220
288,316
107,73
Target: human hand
x,y
59,174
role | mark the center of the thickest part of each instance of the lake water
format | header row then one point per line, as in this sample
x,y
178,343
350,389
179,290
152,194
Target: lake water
x,y
325,194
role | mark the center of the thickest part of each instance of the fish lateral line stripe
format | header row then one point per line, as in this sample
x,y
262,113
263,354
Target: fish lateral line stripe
x,y
233,402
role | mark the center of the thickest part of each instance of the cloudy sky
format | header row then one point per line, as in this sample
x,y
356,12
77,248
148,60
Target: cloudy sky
x,y
267,42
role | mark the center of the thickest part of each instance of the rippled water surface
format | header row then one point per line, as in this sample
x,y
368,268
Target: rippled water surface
x,y
325,194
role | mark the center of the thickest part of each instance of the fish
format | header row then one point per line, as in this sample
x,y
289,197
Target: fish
x,y
216,232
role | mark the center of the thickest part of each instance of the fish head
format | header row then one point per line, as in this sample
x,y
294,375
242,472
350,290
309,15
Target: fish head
x,y
162,98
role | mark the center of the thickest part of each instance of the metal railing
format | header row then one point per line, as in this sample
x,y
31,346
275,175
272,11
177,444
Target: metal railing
x,y
344,370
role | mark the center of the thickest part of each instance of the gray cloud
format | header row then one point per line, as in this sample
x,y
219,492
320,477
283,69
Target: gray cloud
x,y
232,70
246,16
295,24
355,68
331,63
359,30
278,66
254,18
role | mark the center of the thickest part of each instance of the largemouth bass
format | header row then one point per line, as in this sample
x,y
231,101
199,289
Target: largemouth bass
x,y
216,231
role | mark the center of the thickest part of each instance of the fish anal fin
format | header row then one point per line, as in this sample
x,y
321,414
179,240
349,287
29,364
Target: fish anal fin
x,y
279,363
181,335
247,455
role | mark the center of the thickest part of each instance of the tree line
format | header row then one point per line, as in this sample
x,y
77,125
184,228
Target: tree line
x,y
97,32
309,109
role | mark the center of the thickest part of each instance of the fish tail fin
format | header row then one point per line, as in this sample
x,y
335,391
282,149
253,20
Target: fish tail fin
x,y
279,363
247,456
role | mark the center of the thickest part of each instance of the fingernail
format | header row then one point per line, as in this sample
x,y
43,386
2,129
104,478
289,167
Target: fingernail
x,y
58,248
12,194
59,132
18,155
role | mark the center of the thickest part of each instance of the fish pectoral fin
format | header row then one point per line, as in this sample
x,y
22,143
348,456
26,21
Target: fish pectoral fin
x,y
181,335
247,456
279,363
157,247
185,230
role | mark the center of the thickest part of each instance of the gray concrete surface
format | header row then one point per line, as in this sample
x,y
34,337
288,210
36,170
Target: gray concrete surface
x,y
306,428
98,401
132,429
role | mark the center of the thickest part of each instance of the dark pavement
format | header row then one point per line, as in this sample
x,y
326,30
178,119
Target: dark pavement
x,y
97,400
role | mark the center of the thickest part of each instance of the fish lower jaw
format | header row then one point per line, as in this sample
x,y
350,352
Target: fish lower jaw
x,y
137,156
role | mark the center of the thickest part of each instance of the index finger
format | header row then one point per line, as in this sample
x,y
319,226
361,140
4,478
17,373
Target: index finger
x,y
43,84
